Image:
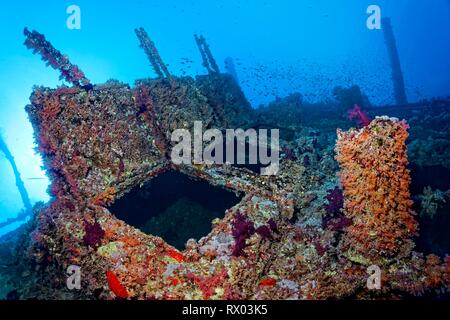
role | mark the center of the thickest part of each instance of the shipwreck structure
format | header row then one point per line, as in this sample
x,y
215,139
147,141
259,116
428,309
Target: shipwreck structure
x,y
287,237
394,58
27,210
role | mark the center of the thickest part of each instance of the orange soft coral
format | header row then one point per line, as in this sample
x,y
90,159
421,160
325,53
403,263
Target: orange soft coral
x,y
376,183
434,271
106,197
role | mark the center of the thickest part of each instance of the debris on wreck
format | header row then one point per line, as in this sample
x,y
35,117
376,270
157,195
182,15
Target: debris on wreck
x,y
349,97
97,145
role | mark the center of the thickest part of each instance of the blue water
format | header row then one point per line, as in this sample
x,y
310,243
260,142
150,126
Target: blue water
x,y
278,46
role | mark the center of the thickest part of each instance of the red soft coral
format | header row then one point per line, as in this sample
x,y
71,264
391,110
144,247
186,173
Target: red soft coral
x,y
358,114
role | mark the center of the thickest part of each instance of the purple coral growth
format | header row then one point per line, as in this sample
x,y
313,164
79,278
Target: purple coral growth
x,y
54,58
335,220
289,154
273,225
339,223
242,230
264,232
93,234
335,201
306,161
320,249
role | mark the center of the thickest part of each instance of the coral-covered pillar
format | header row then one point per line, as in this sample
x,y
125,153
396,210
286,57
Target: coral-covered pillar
x,y
397,74
375,180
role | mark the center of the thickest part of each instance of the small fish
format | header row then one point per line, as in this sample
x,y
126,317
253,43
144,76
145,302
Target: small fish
x,y
269,282
116,287
175,255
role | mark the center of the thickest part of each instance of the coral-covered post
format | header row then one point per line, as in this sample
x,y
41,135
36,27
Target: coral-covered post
x,y
69,72
152,53
376,181
208,59
397,74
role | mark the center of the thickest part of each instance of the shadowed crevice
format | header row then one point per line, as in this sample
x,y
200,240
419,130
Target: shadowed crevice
x,y
174,207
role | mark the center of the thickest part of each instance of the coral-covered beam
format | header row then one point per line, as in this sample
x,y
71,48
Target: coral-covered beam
x,y
54,58
20,217
19,183
208,60
152,53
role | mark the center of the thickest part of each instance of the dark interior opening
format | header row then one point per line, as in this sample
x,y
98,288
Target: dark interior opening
x,y
434,232
437,177
174,207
